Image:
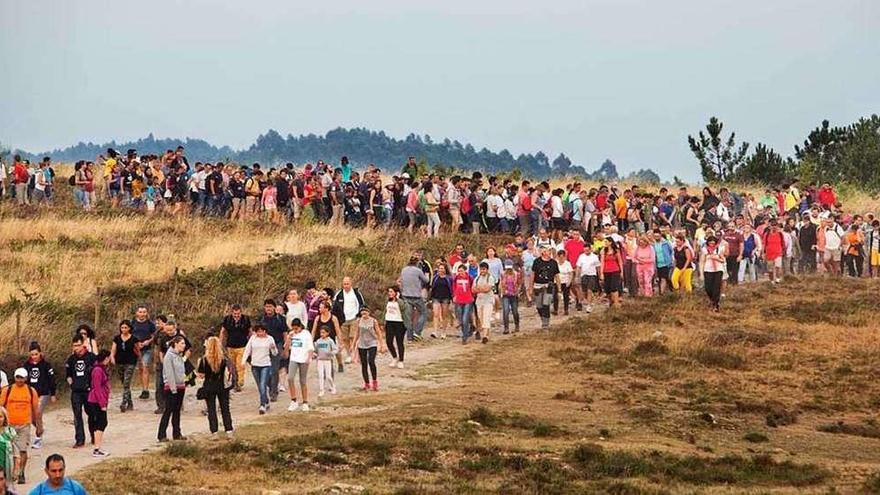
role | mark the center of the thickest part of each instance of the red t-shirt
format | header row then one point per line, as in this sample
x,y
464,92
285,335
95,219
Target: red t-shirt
x,y
573,250
462,292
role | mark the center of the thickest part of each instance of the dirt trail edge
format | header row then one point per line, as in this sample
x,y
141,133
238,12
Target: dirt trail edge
x,y
134,432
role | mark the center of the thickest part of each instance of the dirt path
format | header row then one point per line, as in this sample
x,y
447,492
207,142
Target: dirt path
x,y
135,431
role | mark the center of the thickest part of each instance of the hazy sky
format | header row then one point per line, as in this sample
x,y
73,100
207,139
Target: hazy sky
x,y
622,79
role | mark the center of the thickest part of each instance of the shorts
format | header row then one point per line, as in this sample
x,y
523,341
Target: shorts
x,y
284,363
875,258
612,283
440,301
298,368
22,438
590,283
345,331
146,356
831,255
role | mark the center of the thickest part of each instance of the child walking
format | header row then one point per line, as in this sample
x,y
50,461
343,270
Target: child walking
x,y
325,352
510,285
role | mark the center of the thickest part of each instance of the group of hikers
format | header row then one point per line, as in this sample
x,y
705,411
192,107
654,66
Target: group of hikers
x,y
571,247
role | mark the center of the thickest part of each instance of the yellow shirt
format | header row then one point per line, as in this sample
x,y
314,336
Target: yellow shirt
x,y
620,207
108,166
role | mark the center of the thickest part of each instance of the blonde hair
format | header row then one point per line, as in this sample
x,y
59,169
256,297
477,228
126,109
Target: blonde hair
x,y
213,353
5,414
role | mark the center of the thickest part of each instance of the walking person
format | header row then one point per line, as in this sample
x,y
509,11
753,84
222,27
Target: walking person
x,y
587,267
645,259
441,296
299,345
276,328
234,334
682,274
124,355
395,332
325,353
510,287
215,370
566,274
463,298
78,371
712,262
22,406
484,287
98,400
347,304
412,280
546,276
41,376
610,274
260,350
166,334
56,482
145,331
174,385
367,339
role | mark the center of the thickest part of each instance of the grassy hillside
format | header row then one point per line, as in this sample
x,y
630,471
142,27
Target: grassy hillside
x,y
776,395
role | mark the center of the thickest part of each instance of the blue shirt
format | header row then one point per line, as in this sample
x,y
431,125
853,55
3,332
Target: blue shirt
x,y
346,172
68,487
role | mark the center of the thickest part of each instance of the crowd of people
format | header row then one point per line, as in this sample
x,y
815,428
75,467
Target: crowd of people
x,y
573,247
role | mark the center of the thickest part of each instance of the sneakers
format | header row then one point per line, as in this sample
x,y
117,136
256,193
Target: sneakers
x,y
38,443
393,363
589,308
262,409
158,410
433,335
347,359
375,386
341,369
485,340
281,388
366,388
21,478
78,446
400,365
145,394
417,338
99,453
305,407
293,407
333,391
321,394
442,336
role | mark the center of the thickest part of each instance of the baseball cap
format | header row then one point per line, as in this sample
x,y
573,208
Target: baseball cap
x,y
21,373
508,266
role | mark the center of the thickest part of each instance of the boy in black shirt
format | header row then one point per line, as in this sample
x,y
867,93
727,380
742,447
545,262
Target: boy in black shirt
x,y
78,370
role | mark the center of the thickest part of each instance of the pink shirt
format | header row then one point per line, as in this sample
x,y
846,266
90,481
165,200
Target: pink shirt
x,y
645,255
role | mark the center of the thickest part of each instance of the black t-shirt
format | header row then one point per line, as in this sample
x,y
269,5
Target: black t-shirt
x,y
214,179
236,188
125,353
163,339
237,333
143,330
545,271
282,191
79,370
276,326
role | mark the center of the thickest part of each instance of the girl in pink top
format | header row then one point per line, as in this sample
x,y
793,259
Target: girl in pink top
x,y
644,259
270,193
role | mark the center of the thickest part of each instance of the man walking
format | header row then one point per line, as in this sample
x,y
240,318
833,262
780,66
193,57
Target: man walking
x,y
347,305
22,404
276,327
144,331
412,280
78,370
234,334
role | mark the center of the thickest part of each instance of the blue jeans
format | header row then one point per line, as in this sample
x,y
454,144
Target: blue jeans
x,y
261,377
411,304
747,266
463,313
510,306
273,373
534,221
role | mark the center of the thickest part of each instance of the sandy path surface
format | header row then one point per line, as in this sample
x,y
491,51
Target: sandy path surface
x,y
135,431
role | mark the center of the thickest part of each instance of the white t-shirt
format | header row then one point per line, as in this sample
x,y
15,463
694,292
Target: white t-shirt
x,y
297,310
712,265
565,272
494,206
301,347
392,311
588,264
833,237
349,305
556,207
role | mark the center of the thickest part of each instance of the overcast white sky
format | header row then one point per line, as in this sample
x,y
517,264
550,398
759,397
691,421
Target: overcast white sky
x,y
622,79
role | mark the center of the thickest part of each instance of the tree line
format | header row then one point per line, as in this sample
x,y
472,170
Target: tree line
x,y
361,146
846,154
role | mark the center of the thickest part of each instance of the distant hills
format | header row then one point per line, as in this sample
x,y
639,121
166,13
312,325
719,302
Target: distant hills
x,y
362,146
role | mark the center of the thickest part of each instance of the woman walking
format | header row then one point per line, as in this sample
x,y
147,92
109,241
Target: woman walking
x,y
612,265
645,257
88,336
213,369
41,377
124,355
260,349
367,338
395,331
463,297
441,296
174,379
683,272
712,265
99,399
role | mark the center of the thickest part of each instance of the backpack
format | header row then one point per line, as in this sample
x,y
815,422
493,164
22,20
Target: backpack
x,y
5,394
72,180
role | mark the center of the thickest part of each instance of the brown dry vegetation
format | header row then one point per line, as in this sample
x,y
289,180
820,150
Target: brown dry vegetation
x,y
739,402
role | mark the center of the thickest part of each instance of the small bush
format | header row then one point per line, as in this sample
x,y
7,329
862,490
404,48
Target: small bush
x,y
778,415
872,484
183,450
866,430
484,416
650,347
715,358
329,458
755,437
